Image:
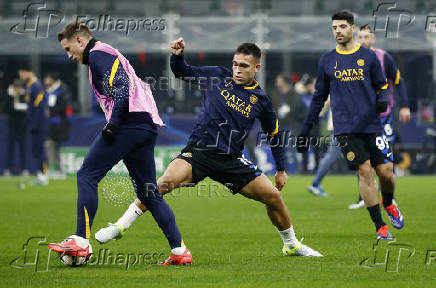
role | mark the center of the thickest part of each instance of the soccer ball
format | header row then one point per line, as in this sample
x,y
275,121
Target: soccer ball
x,y
75,261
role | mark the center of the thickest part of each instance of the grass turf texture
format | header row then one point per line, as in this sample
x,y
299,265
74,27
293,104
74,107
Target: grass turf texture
x,y
231,238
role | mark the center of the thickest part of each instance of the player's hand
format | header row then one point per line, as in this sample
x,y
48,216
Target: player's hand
x,y
404,115
108,133
302,143
381,106
178,46
280,179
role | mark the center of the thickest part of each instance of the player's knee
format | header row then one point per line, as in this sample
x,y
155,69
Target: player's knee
x,y
82,176
274,198
166,184
386,174
365,171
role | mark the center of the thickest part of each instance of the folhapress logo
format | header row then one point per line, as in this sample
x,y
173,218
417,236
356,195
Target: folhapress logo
x,y
35,255
38,20
389,255
388,18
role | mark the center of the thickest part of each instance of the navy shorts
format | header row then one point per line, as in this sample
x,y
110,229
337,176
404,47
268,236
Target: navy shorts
x,y
358,148
233,171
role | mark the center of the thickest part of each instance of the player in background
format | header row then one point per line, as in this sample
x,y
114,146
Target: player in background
x,y
358,89
37,121
397,86
130,134
16,109
330,157
232,101
60,110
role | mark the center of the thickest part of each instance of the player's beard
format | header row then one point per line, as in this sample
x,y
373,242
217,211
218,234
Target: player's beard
x,y
345,40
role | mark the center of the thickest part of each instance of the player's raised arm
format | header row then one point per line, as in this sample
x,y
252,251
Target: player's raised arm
x,y
322,90
187,72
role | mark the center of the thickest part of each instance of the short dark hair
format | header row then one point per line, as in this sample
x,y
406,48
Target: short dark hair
x,y
365,27
286,77
344,15
306,79
72,29
25,66
249,49
52,75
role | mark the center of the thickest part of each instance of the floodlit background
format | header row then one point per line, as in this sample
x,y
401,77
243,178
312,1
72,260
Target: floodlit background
x,y
231,238
292,34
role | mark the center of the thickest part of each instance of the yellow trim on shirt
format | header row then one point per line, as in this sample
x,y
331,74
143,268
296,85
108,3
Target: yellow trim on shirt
x,y
397,78
348,52
384,87
114,70
275,130
38,99
30,83
252,87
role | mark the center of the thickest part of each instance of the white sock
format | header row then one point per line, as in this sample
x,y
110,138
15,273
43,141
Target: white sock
x,y
80,241
178,250
288,237
131,214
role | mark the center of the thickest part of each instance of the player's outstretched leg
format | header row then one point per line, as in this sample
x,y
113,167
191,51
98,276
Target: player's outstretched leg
x,y
261,189
178,173
386,178
369,194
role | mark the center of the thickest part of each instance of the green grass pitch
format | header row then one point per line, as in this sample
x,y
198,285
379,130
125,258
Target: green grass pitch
x,y
231,239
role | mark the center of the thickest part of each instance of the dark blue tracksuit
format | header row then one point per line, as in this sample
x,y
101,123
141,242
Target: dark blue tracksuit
x,y
134,144
37,122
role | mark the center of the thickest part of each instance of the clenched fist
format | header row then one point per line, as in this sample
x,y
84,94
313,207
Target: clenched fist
x,y
178,46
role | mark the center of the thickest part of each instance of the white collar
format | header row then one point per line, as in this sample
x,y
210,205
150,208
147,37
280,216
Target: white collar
x,y
55,86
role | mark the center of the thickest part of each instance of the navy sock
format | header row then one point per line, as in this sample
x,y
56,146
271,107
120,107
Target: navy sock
x,y
374,212
387,191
